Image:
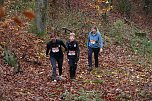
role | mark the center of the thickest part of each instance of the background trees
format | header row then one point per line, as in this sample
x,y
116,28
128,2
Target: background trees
x,y
41,15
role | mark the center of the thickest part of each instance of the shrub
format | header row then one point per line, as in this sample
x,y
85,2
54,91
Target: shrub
x,y
20,5
136,39
124,7
117,31
142,46
11,60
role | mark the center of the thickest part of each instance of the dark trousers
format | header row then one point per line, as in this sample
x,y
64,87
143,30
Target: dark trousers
x,y
96,53
73,66
59,61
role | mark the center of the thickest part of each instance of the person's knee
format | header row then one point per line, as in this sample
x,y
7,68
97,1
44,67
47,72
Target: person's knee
x,y
60,67
96,59
54,68
89,52
53,65
89,56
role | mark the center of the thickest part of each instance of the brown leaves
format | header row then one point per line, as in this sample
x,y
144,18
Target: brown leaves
x,y
4,24
109,80
2,11
29,14
101,1
17,20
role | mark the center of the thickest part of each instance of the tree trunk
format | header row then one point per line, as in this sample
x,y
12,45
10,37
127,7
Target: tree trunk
x,y
2,9
41,15
1,2
148,7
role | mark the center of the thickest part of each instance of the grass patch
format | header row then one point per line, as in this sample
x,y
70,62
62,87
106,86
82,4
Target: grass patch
x,y
10,58
83,95
131,37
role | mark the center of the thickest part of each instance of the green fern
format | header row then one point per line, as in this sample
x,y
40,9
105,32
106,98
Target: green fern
x,y
10,58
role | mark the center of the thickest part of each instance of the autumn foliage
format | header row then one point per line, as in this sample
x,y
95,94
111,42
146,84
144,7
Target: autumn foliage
x,y
17,20
122,74
29,14
2,11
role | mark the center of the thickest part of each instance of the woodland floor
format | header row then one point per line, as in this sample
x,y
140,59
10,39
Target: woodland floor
x,y
122,75
119,74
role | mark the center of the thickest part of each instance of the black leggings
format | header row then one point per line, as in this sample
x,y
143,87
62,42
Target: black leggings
x,y
96,53
73,66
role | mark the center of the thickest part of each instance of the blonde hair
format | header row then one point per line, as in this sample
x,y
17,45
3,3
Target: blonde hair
x,y
72,34
94,27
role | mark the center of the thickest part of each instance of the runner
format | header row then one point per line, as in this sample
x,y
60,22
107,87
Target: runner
x,y
56,54
73,55
95,45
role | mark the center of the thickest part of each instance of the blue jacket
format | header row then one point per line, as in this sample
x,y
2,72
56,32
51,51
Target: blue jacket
x,y
95,41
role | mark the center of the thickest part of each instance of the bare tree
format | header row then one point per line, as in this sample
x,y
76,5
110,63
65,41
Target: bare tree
x,y
41,15
1,2
148,7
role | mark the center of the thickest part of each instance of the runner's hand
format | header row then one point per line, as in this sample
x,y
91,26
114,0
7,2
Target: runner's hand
x,y
101,50
47,56
77,59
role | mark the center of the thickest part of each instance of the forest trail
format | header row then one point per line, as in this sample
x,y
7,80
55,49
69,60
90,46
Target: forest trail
x,y
117,73
122,74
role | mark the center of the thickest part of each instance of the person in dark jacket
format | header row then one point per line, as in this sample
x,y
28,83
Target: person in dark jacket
x,y
72,55
95,45
56,54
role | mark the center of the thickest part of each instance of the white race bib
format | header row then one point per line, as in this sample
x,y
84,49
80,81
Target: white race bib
x,y
93,41
54,50
71,53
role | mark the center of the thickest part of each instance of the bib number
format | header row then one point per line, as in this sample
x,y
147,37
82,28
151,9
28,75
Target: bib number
x,y
71,53
55,50
93,41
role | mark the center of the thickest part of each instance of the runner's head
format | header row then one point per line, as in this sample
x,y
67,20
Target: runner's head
x,y
94,29
72,36
53,37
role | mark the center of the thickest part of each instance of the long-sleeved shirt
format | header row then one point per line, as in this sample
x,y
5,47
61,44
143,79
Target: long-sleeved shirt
x,y
72,49
95,40
54,48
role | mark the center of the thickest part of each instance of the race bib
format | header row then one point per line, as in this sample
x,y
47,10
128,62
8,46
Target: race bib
x,y
54,50
71,53
93,41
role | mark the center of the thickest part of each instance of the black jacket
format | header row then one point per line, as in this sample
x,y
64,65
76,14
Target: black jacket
x,y
72,49
55,49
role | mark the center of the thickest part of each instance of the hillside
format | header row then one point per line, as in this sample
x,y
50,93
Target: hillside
x,y
123,74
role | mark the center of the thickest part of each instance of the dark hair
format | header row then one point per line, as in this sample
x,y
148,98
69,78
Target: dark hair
x,y
52,35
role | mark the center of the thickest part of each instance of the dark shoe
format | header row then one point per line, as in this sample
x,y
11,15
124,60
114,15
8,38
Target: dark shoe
x,y
71,78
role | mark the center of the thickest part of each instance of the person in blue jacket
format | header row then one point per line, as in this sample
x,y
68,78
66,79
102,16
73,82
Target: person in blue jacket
x,y
95,45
